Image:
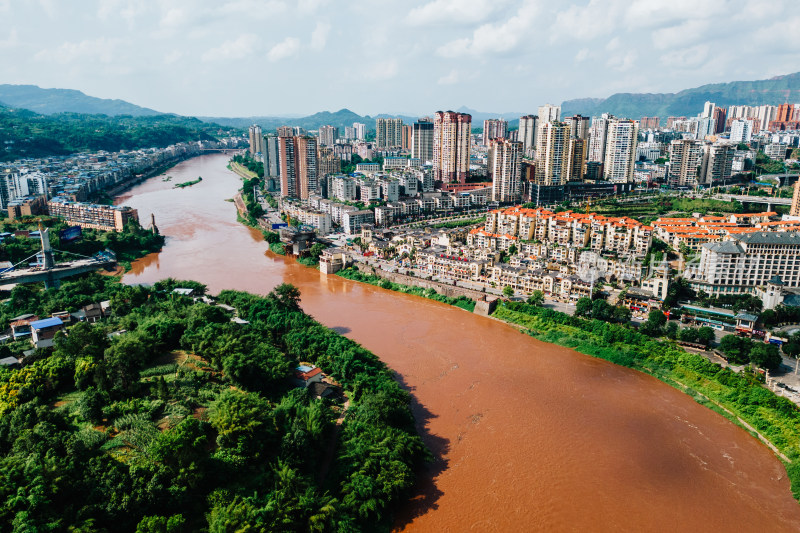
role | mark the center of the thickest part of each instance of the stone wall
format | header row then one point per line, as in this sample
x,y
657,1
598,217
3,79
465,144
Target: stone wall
x,y
452,291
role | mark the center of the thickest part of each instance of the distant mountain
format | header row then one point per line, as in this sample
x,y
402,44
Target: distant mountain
x,y
340,119
50,101
689,102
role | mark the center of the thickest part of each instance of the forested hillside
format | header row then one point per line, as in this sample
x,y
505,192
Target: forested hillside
x,y
185,420
27,134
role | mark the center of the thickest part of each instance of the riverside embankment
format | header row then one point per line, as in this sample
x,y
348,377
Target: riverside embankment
x,y
527,435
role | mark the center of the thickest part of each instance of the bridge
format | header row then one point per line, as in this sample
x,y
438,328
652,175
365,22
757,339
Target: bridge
x,y
50,272
769,201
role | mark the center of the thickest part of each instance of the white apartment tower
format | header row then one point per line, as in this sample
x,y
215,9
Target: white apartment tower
x,y
527,133
597,138
741,131
553,157
620,155
388,133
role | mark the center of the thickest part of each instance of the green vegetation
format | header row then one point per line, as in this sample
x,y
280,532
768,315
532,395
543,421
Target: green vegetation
x,y
741,350
27,134
250,164
765,165
778,419
649,209
352,273
460,223
189,183
277,248
349,167
131,244
190,422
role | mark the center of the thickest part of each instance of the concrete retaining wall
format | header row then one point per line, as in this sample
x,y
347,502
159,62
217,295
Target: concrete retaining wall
x,y
482,307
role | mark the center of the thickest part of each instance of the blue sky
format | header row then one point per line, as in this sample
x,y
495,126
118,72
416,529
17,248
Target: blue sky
x,y
273,57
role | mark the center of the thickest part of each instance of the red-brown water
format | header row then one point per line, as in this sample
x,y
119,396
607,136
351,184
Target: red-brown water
x,y
527,436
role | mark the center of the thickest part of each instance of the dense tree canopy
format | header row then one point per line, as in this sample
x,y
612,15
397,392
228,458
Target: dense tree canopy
x,y
190,421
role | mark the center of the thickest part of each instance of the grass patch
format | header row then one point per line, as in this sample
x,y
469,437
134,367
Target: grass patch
x,y
277,248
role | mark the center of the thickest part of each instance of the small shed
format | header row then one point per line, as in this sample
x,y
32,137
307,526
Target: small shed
x,y
305,375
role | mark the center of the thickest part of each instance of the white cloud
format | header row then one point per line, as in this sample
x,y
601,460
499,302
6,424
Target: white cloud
x,y
310,6
449,79
381,71
319,37
259,9
622,62
680,35
686,58
452,11
494,38
173,57
582,55
93,50
286,48
238,48
11,41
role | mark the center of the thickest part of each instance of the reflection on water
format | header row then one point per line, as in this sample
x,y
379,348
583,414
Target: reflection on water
x,y
527,436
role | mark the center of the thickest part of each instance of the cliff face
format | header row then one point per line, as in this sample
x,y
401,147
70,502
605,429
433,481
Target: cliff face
x,y
689,102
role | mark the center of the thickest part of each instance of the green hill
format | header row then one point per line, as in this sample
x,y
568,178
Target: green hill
x,y
49,101
27,134
340,119
689,102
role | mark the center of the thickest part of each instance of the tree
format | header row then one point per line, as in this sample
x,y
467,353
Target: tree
x,y
536,298
736,349
508,292
583,306
654,325
705,335
765,356
672,331
317,250
512,250
286,295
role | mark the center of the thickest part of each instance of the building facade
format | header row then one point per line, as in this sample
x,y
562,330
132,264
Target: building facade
x,y
504,168
451,143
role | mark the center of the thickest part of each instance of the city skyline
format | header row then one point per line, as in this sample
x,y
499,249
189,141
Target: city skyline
x,y
223,59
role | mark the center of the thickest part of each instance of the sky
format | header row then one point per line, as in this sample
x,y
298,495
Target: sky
x,y
297,57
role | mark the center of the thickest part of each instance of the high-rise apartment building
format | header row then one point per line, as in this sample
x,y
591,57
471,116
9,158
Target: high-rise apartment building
x,y
494,128
328,135
649,123
388,133
708,110
741,131
719,117
597,138
327,163
549,113
408,137
285,131
620,157
298,166
256,140
672,120
504,168
271,157
578,127
577,166
422,140
451,133
687,163
553,157
705,127
527,133
360,130
720,163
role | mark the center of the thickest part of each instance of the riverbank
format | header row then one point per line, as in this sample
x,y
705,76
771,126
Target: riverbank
x,y
737,397
461,302
637,455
